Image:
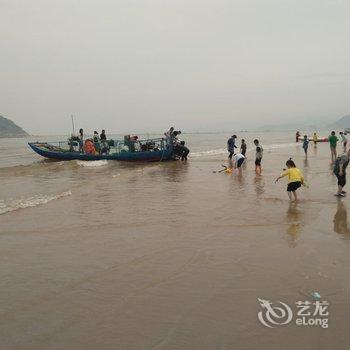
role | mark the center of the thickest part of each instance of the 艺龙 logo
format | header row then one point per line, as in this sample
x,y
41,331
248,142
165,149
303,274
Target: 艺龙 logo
x,y
274,315
307,314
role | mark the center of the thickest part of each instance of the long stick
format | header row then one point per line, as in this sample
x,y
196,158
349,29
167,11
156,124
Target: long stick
x,y
73,124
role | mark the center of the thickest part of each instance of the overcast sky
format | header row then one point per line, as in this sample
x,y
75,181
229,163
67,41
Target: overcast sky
x,y
142,65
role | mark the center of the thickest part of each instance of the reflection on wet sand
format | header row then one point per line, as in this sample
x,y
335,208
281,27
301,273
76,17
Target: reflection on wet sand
x,y
341,220
169,173
259,185
241,180
293,216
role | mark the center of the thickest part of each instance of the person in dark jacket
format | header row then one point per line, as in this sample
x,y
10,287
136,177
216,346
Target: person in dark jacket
x,y
103,136
231,145
104,143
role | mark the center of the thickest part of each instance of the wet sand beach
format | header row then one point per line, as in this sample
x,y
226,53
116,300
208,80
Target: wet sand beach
x,y
170,255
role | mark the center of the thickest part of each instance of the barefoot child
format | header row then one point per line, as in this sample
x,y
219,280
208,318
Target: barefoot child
x,y
295,179
243,147
258,156
305,144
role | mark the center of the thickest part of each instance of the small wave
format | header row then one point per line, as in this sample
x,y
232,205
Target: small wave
x,y
18,170
30,202
213,152
220,151
92,164
281,145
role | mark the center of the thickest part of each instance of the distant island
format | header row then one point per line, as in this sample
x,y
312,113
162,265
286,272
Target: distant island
x,y
8,129
342,123
338,125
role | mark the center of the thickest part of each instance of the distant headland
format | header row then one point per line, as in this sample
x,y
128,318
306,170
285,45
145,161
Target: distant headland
x,y
9,129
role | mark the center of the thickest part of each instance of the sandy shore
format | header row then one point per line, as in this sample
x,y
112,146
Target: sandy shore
x,y
174,256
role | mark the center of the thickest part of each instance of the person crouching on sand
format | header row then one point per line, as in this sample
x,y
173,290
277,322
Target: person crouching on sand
x,y
295,179
238,160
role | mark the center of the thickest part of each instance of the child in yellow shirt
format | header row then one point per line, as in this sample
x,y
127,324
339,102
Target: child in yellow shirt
x,y
295,179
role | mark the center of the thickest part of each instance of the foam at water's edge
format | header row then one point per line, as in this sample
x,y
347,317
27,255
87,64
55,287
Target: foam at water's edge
x,y
214,152
92,164
30,202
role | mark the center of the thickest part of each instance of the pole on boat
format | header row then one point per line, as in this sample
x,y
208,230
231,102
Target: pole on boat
x,y
73,126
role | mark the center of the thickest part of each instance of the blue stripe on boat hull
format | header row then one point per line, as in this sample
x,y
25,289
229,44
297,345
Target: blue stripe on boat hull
x,y
123,156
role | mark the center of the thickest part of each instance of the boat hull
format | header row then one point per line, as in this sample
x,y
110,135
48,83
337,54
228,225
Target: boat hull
x,y
147,156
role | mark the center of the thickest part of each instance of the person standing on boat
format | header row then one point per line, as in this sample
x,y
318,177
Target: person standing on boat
x,y
170,136
103,136
81,141
169,133
231,145
104,142
97,143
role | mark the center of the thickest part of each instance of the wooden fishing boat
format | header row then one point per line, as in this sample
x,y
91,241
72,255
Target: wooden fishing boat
x,y
139,150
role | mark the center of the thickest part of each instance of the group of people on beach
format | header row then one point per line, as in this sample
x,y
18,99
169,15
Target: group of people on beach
x,y
294,174
332,139
238,159
339,163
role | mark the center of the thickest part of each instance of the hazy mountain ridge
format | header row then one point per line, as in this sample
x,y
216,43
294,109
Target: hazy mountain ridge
x,y
9,129
342,123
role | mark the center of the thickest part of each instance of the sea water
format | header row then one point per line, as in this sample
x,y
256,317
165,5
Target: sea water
x,y
170,255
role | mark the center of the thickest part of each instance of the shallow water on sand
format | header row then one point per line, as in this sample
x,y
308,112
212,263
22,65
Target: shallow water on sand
x,y
169,255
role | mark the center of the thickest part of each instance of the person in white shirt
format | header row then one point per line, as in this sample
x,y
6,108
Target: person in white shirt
x,y
238,159
258,156
169,135
344,139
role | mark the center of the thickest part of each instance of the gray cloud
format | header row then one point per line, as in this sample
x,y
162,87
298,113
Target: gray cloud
x,y
143,65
